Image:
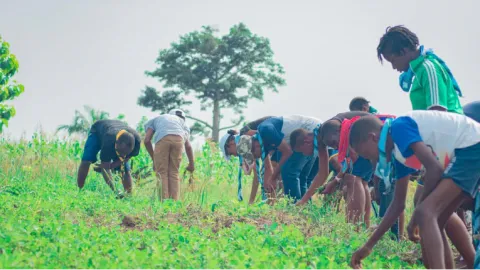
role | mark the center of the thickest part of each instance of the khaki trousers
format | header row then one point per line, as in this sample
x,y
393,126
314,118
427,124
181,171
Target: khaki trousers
x,y
167,157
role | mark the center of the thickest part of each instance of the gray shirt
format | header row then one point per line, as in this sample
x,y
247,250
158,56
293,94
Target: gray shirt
x,y
293,122
167,124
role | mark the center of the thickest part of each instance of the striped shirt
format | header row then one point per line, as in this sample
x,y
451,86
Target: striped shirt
x,y
432,86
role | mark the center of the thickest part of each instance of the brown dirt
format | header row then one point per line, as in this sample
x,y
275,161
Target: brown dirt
x,y
128,222
411,257
218,220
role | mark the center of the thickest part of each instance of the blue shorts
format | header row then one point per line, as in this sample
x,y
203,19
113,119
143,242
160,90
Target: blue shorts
x,y
464,169
93,147
296,175
362,168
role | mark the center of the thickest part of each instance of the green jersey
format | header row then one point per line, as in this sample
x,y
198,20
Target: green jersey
x,y
432,86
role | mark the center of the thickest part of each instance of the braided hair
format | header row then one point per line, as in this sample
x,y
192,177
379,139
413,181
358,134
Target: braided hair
x,y
232,134
395,40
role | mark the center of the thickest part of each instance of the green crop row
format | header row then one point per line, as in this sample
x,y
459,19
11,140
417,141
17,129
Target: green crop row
x,y
46,222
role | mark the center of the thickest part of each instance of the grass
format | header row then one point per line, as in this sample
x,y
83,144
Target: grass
x,y
48,223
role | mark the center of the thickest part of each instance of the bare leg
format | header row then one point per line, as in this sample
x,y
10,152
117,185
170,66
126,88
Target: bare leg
x,y
424,259
461,215
401,226
355,199
270,188
458,234
368,203
82,173
279,182
441,202
253,193
418,195
449,263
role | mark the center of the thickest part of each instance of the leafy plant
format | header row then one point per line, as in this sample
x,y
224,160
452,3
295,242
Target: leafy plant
x,y
82,122
9,89
47,223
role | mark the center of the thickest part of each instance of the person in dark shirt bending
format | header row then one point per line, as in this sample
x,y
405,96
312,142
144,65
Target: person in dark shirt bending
x,y
117,143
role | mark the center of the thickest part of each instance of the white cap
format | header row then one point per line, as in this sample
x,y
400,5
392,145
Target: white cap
x,y
177,112
222,143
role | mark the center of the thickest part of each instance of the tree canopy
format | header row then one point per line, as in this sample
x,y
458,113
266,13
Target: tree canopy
x,y
222,72
9,89
82,122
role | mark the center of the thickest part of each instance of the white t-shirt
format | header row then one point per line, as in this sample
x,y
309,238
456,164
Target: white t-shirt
x,y
167,124
443,132
293,122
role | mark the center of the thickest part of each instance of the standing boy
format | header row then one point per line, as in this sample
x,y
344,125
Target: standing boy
x,y
427,78
170,134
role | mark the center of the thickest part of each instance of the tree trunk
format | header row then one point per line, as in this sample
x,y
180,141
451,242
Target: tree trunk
x,y
216,121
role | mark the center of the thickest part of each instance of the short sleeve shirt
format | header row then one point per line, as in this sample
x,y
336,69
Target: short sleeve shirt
x,y
276,129
441,131
167,124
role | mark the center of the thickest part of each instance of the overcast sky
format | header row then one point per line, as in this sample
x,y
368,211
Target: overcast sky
x,y
92,52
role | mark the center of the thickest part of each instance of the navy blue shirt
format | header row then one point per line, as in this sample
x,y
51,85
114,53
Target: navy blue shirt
x,y
271,132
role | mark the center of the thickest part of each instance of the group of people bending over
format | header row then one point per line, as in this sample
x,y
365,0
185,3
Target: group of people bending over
x,y
436,144
365,149
117,143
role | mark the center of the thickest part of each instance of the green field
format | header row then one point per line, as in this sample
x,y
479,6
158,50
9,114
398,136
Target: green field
x,y
46,222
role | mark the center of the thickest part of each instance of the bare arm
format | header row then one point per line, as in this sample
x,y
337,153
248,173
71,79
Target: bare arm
x,y
148,142
393,212
115,164
253,193
336,165
189,150
433,168
82,173
286,151
321,176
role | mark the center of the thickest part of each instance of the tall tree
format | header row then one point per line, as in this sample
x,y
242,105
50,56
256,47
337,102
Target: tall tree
x,y
220,71
9,89
82,122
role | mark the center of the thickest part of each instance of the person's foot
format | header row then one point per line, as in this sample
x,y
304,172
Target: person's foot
x,y
120,195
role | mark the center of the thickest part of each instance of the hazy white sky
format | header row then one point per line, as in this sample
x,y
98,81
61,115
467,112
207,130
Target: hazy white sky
x,y
90,52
